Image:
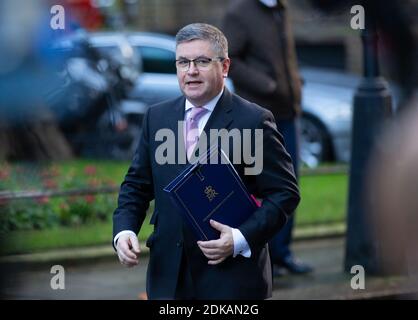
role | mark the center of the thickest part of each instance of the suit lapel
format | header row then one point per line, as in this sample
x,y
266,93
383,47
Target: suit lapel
x,y
178,114
221,117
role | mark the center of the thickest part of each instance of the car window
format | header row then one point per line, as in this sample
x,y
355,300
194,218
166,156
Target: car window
x,y
156,60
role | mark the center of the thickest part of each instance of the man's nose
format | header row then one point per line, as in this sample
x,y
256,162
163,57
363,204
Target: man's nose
x,y
192,68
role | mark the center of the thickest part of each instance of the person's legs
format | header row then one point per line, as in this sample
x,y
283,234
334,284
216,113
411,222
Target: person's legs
x,y
280,243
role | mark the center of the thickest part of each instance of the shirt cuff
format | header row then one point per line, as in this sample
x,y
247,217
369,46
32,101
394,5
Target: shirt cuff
x,y
121,233
240,244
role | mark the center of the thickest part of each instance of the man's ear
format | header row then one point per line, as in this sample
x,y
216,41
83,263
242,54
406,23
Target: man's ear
x,y
225,67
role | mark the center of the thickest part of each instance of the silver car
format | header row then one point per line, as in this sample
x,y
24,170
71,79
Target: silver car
x,y
327,106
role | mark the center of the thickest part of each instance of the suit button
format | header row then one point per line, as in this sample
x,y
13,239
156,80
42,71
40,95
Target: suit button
x,y
179,243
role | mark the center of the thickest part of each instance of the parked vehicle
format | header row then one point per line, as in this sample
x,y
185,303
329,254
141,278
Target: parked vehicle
x,y
89,105
327,106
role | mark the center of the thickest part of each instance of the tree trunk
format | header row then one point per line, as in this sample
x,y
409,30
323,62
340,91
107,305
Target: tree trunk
x,y
41,140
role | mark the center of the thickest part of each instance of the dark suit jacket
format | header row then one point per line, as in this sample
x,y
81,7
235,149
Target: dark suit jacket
x,y
263,56
235,278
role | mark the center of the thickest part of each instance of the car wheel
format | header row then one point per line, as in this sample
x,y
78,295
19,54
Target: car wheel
x,y
315,142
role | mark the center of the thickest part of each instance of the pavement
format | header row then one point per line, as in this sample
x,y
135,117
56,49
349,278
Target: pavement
x,y
95,273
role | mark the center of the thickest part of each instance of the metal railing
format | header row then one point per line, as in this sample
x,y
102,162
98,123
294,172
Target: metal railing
x,y
20,195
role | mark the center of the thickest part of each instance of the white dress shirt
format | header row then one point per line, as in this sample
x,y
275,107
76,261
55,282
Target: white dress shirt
x,y
240,243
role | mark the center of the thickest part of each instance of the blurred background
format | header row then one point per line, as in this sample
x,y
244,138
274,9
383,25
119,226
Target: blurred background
x,y
74,89
96,77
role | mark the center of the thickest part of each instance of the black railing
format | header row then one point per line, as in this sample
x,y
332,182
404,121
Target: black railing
x,y
20,195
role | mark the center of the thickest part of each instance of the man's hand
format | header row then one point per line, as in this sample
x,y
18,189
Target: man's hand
x,y
218,250
128,251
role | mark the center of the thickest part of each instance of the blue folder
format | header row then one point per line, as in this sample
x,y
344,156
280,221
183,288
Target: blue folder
x,y
211,189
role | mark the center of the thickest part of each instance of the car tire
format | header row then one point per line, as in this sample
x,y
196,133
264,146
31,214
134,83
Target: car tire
x,y
315,142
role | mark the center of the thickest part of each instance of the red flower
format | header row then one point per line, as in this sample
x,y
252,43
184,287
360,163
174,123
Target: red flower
x,y
42,200
50,184
90,170
4,174
90,198
93,182
50,172
64,206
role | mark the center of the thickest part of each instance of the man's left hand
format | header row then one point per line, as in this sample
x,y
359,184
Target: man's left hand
x,y
218,250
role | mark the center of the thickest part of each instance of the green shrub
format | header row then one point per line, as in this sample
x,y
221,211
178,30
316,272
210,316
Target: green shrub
x,y
45,212
26,215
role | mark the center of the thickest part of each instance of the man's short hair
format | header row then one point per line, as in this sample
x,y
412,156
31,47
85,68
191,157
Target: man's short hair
x,y
206,32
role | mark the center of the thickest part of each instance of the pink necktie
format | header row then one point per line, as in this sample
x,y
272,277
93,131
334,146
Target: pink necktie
x,y
192,129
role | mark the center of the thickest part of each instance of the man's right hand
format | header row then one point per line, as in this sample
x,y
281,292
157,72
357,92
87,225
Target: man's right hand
x,y
128,251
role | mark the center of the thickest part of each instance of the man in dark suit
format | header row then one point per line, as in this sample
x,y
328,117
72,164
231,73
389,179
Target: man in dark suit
x,y
265,71
237,265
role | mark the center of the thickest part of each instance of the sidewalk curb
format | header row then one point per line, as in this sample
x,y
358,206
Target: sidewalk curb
x,y
95,253
313,232
67,256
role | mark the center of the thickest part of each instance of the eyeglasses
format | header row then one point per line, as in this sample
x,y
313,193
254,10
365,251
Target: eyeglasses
x,y
201,63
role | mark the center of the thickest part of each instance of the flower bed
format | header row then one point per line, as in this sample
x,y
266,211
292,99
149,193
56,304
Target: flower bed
x,y
46,210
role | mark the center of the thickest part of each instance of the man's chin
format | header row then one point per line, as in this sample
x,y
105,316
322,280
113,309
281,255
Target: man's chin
x,y
193,92
195,99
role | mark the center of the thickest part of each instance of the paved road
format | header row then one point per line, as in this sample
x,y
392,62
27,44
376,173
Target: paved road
x,y
101,280
109,280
